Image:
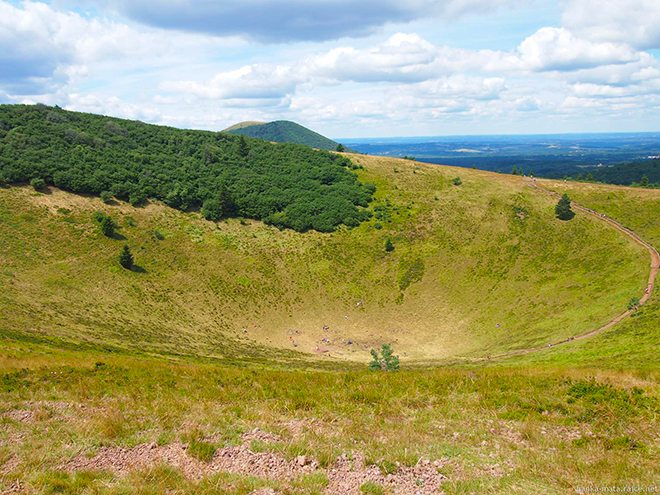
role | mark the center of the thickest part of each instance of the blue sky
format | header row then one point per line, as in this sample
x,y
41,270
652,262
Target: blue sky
x,y
346,68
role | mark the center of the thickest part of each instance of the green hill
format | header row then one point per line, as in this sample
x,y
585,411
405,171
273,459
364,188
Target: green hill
x,y
284,131
227,176
232,358
242,125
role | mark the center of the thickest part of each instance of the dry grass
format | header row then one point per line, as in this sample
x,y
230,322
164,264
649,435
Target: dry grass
x,y
486,252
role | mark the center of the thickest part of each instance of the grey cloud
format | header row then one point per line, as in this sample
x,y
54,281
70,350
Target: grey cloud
x,y
292,20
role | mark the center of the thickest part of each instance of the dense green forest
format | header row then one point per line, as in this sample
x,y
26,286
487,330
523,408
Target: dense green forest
x,y
285,131
287,185
643,173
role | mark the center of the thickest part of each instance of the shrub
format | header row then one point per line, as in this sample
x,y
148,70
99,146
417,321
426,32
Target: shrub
x,y
634,304
98,216
388,245
136,198
106,196
457,181
158,235
38,184
378,226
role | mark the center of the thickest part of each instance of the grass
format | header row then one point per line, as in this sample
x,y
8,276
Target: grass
x,y
95,358
488,252
633,343
497,430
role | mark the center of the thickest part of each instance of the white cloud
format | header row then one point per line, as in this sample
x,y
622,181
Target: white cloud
x,y
42,49
527,104
112,106
556,49
635,22
259,81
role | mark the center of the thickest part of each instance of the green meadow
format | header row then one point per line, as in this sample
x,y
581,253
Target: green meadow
x,y
215,333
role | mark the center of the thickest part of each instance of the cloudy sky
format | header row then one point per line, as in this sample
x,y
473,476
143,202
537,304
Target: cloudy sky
x,y
346,68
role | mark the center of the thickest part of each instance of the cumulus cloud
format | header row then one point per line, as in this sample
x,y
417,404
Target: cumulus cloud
x,y
112,106
41,49
293,20
259,81
634,22
527,104
558,49
410,59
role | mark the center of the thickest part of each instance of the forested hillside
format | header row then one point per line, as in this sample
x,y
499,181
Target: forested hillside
x,y
286,185
642,173
284,131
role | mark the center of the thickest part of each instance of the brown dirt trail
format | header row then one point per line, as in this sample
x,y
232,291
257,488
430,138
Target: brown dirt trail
x,y
655,264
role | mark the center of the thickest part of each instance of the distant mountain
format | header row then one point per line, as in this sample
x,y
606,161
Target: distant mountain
x,y
243,125
284,131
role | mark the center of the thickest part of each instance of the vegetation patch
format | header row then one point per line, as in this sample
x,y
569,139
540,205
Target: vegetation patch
x,y
411,271
289,186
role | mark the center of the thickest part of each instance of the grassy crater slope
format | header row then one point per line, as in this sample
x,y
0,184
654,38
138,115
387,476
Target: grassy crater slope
x,y
632,344
283,131
479,268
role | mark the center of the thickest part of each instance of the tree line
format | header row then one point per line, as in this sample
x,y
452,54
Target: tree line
x,y
286,185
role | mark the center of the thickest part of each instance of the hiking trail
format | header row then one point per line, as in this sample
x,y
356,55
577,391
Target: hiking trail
x,y
655,264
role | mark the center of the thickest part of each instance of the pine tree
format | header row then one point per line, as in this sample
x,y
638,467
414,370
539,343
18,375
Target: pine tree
x,y
340,148
242,147
108,226
563,209
644,182
590,177
515,170
126,258
388,245
387,361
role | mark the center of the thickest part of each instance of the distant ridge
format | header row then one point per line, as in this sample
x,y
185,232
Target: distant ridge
x,y
243,125
284,131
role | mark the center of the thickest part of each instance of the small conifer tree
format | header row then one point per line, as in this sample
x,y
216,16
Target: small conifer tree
x,y
108,226
387,361
126,258
590,177
340,148
388,245
563,209
644,182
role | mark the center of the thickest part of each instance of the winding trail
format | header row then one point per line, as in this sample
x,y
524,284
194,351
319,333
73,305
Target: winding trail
x,y
655,265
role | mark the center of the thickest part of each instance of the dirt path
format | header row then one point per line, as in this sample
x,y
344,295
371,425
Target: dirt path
x,y
655,264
